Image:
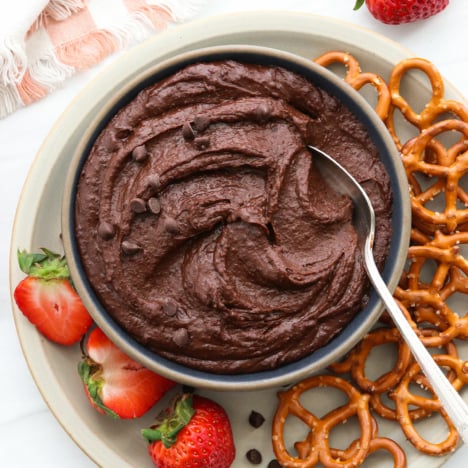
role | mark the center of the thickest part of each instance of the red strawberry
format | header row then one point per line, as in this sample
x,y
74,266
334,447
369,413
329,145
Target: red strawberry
x,y
196,433
402,11
115,384
47,298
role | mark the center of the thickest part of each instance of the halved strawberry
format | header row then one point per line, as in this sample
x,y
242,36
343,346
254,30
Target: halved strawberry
x,y
48,300
115,384
196,432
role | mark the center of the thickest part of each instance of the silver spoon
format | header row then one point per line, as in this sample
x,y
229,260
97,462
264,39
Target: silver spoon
x,y
364,221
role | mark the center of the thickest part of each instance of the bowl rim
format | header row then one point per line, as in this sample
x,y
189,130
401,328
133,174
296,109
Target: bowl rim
x,y
394,264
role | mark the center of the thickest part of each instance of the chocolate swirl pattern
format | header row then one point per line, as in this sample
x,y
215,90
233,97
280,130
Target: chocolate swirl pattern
x,y
205,229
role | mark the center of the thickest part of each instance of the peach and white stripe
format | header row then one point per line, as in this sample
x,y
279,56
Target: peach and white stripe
x,y
45,42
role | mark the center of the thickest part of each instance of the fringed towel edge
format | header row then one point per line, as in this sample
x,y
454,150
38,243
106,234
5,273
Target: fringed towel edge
x,y
62,9
52,66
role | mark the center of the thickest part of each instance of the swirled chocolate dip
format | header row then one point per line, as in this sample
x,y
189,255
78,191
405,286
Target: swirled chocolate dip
x,y
205,229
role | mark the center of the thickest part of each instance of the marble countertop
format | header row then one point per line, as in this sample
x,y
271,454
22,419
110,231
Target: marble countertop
x,y
29,434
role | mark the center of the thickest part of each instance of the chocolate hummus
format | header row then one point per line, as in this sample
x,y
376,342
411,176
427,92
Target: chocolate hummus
x,y
207,233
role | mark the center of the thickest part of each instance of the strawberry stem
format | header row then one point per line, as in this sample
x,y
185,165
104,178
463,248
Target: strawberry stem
x,y
166,430
358,4
47,265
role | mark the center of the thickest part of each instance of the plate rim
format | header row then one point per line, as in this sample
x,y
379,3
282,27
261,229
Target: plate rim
x,y
232,23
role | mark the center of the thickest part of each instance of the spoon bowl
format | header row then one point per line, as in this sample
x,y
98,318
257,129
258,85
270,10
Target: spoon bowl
x,y
364,222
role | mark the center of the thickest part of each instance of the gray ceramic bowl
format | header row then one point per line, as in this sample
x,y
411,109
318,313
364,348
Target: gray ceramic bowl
x,y
360,324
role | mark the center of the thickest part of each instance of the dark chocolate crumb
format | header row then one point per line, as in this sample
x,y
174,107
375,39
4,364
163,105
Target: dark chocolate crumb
x,y
201,143
181,337
201,123
187,131
254,456
154,182
154,205
106,230
365,300
171,225
169,308
274,464
263,113
131,248
140,153
137,205
256,419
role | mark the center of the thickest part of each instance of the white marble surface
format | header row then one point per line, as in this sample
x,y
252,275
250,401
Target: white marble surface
x,y
29,434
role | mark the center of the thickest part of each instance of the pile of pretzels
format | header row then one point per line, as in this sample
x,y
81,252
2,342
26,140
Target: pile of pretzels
x,y
435,158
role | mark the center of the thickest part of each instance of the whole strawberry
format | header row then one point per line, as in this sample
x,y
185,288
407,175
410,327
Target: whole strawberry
x,y
114,383
402,11
47,298
195,433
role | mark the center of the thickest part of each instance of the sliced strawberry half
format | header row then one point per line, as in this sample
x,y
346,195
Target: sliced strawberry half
x,y
115,384
48,300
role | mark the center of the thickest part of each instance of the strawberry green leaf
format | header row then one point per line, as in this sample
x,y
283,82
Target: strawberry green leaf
x,y
167,429
358,4
26,260
47,265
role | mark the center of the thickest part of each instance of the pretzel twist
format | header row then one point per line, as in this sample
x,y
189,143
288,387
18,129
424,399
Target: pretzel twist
x,y
436,107
355,363
428,300
357,79
385,411
404,398
445,177
376,443
315,448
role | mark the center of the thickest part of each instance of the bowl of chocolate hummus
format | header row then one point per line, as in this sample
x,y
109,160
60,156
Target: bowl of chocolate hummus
x,y
200,235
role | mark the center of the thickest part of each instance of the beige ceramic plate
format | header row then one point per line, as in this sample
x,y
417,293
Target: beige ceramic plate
x,y
118,443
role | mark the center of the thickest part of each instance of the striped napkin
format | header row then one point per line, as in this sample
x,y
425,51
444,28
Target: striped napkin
x,y
43,42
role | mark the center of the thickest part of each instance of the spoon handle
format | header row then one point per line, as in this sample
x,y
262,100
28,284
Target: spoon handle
x,y
450,399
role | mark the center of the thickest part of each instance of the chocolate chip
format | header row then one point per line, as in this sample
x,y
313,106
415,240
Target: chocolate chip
x,y
262,113
171,225
106,230
123,133
131,248
256,419
154,205
169,308
153,182
187,131
181,337
201,123
274,464
137,205
140,153
201,143
254,456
